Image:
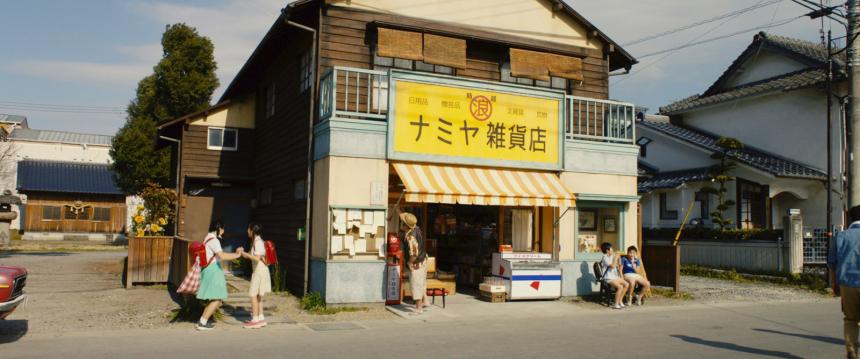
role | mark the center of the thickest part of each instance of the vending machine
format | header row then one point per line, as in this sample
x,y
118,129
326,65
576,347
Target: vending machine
x,y
393,264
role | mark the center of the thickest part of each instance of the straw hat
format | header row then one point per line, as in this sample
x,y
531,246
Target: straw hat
x,y
408,219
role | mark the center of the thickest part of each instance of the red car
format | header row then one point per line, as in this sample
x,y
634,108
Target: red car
x,y
12,281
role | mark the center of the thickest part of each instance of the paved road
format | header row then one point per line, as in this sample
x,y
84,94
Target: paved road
x,y
783,330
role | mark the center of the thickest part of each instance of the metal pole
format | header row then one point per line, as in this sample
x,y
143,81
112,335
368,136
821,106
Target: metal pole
x,y
829,92
853,105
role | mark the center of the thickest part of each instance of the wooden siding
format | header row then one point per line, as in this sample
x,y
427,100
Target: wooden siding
x,y
344,41
200,162
282,154
33,220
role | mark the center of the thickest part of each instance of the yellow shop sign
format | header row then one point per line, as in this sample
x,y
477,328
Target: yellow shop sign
x,y
471,125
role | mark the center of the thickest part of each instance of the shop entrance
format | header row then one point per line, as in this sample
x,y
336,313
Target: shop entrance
x,y
463,238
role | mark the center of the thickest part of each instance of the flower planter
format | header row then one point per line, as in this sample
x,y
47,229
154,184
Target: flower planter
x,y
148,259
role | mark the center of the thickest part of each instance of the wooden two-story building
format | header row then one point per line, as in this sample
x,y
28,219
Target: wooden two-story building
x,y
492,123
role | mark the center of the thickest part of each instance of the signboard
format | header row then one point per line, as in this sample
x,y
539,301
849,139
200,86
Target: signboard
x,y
440,119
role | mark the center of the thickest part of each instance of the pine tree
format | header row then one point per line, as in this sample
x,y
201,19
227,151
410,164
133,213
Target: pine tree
x,y
719,173
181,83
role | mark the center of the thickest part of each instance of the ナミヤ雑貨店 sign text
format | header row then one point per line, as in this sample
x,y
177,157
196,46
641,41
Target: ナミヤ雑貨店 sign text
x,y
440,123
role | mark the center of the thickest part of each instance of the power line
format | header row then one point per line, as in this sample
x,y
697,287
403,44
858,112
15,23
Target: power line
x,y
670,53
696,43
57,106
38,109
703,22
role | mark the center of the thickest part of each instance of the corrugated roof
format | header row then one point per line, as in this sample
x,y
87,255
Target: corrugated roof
x,y
12,118
672,179
66,177
27,134
787,82
750,156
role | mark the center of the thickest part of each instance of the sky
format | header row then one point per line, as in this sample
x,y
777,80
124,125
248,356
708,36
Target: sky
x,y
74,65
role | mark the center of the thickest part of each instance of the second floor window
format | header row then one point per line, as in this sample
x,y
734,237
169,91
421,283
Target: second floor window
x,y
223,139
306,71
554,82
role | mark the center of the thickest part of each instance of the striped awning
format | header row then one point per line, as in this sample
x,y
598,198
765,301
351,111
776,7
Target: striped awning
x,y
482,186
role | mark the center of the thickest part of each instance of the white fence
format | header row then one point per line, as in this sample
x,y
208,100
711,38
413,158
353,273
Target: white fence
x,y
749,255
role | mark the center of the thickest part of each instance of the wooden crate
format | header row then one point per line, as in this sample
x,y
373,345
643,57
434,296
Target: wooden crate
x,y
494,297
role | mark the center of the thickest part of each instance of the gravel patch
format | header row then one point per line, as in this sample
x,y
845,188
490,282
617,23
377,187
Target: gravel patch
x,y
80,291
710,290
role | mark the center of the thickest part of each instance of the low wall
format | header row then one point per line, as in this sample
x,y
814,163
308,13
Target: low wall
x,y
747,255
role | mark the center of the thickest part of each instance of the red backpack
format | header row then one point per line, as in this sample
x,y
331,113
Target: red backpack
x,y
198,251
271,255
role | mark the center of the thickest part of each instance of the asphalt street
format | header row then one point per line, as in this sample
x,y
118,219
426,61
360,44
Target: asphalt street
x,y
758,330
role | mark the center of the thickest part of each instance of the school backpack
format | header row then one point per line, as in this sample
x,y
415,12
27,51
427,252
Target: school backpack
x,y
271,255
198,251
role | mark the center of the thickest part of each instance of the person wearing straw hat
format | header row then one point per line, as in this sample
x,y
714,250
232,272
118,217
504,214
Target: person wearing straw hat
x,y
417,259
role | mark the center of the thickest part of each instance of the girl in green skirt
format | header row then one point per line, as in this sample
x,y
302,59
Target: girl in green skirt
x,y
213,285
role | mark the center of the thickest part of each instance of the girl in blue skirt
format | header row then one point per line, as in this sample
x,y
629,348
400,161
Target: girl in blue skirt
x,y
213,285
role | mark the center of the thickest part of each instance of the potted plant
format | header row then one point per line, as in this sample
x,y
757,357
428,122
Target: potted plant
x,y
150,246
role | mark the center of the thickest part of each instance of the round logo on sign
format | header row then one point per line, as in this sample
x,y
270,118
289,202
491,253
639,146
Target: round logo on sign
x,y
481,108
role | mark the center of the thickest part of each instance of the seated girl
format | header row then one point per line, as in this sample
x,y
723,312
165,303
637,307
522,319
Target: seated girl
x,y
610,264
631,266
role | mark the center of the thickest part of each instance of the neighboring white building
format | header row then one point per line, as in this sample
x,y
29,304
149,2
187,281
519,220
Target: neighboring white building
x,y
772,99
25,144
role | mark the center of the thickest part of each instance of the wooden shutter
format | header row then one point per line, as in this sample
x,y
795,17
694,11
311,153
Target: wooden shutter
x,y
447,51
529,64
400,44
567,67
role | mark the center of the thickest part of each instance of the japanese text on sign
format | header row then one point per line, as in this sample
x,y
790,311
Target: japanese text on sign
x,y
439,120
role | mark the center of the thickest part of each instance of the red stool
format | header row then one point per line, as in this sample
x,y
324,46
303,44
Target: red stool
x,y
433,292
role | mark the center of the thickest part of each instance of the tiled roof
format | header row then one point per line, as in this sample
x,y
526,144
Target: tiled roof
x,y
12,118
645,169
787,82
750,156
672,179
811,54
27,134
66,177
812,50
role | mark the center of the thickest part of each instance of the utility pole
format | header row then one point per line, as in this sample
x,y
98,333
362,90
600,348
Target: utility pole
x,y
853,105
829,184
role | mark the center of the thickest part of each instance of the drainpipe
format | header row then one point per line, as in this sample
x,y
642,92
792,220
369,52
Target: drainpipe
x,y
178,193
311,104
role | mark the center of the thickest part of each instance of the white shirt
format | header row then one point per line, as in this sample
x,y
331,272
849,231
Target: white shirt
x,y
611,273
213,246
259,248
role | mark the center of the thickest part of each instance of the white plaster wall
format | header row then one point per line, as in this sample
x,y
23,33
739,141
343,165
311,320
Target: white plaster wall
x,y
789,124
534,19
668,154
30,150
763,65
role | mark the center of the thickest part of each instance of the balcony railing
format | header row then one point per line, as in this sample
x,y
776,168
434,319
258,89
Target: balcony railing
x,y
354,93
599,120
363,94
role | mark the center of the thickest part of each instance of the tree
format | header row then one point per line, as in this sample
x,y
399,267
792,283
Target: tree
x,y
181,83
719,173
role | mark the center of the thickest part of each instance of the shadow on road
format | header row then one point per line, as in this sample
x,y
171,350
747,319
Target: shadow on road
x,y
819,338
12,330
735,347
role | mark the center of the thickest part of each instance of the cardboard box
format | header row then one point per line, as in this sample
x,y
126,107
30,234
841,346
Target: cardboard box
x,y
486,287
493,297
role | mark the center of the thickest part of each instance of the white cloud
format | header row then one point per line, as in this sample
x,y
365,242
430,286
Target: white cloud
x,y
236,27
84,72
